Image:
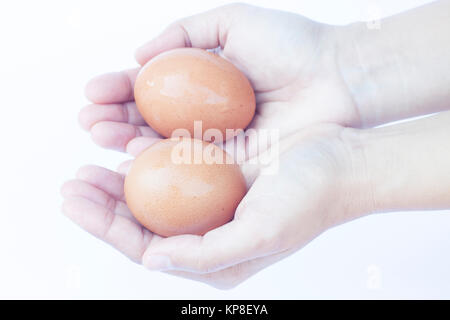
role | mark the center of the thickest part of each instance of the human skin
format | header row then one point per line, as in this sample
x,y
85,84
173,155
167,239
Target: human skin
x,y
327,175
329,78
351,75
401,70
288,90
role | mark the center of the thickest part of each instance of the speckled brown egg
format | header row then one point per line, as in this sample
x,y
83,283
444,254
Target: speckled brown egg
x,y
181,86
183,186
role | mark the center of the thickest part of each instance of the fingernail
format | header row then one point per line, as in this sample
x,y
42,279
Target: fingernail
x,y
157,262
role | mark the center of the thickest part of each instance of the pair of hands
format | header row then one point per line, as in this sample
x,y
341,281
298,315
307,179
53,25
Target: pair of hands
x,y
291,63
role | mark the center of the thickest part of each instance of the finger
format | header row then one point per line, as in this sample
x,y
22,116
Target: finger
x,y
116,135
139,144
250,171
230,244
256,231
123,234
242,151
124,167
109,181
205,30
82,189
94,113
230,277
115,87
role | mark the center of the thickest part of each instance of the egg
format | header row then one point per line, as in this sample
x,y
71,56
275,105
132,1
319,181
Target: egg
x,y
183,186
181,86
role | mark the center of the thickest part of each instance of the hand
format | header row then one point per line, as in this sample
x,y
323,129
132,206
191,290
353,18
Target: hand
x,y
327,174
289,60
313,190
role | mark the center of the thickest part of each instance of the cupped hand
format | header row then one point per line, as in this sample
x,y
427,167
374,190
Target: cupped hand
x,y
313,187
290,61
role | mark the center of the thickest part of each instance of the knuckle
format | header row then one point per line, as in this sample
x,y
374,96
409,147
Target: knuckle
x,y
109,219
111,204
125,109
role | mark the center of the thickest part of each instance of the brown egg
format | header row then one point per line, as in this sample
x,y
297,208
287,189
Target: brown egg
x,y
185,85
174,187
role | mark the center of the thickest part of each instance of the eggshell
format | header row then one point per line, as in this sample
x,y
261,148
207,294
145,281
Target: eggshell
x,y
172,195
185,85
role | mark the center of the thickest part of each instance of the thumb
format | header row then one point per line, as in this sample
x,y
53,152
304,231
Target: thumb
x,y
255,232
205,30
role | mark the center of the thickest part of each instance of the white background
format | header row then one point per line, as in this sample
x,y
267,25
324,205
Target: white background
x,y
48,50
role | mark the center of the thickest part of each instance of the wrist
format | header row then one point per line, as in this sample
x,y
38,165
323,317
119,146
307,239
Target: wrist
x,y
350,66
359,193
367,66
349,191
405,166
